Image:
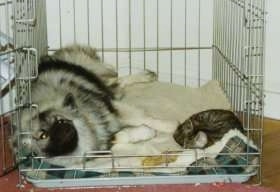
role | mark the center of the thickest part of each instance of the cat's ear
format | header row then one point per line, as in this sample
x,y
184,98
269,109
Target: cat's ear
x,y
69,101
188,125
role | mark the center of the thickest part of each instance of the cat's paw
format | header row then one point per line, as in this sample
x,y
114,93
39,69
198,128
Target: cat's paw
x,y
200,140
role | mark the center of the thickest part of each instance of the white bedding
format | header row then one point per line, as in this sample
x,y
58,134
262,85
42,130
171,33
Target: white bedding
x,y
166,101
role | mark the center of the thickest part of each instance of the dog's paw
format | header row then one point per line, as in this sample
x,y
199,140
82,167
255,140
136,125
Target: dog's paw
x,y
143,77
134,135
148,76
121,137
167,126
142,133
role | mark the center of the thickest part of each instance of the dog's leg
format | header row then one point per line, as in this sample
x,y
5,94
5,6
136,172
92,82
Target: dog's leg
x,y
143,77
118,84
133,116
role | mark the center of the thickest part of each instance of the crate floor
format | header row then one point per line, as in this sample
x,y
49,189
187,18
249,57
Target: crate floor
x,y
9,182
270,173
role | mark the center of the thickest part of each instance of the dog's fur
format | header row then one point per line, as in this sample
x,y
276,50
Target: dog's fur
x,y
78,110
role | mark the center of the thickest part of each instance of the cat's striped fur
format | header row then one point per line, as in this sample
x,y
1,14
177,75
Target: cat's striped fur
x,y
205,128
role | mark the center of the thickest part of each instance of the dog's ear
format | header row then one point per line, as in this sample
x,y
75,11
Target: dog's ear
x,y
69,101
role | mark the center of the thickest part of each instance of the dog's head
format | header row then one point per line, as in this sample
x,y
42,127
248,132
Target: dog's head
x,y
49,130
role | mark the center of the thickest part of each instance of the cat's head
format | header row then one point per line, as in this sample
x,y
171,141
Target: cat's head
x,y
49,130
186,136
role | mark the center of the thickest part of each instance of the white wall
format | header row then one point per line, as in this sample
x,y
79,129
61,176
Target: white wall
x,y
182,35
272,75
272,81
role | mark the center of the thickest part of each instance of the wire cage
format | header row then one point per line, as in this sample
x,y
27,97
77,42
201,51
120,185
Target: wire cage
x,y
186,42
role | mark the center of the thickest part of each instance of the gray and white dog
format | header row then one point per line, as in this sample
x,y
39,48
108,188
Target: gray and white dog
x,y
79,109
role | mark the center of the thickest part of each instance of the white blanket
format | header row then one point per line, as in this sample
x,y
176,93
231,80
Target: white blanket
x,y
163,100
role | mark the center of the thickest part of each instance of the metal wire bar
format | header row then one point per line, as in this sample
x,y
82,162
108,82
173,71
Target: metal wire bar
x,y
129,37
185,44
74,20
199,43
88,23
151,49
171,41
60,23
237,51
117,35
144,33
157,30
102,28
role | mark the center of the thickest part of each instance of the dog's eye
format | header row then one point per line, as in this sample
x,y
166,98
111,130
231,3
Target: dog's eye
x,y
44,134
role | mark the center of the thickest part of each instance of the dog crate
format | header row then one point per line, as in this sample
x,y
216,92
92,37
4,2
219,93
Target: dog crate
x,y
186,42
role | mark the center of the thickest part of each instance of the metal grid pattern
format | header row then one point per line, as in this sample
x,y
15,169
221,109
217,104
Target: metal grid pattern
x,y
20,28
184,41
6,81
139,34
238,59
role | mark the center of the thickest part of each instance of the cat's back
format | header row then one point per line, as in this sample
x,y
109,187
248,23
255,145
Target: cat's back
x,y
218,119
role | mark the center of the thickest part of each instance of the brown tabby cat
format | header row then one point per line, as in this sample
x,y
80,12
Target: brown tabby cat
x,y
205,128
